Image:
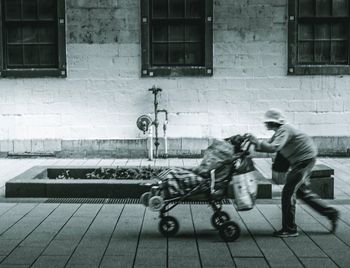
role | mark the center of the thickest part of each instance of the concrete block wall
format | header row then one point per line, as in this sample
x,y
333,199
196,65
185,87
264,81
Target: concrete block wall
x,y
103,95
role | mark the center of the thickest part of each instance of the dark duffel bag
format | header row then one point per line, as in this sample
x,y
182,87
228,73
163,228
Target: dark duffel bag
x,y
280,167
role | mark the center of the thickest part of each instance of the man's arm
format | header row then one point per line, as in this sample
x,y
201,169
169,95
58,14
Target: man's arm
x,y
278,141
263,146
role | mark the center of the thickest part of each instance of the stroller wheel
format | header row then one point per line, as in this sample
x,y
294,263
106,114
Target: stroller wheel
x,y
156,203
145,198
229,231
168,226
218,218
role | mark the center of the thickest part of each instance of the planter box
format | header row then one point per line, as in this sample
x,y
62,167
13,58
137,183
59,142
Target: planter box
x,y
324,187
35,183
321,180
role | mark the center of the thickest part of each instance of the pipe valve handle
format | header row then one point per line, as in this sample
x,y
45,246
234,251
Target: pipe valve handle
x,y
155,89
143,123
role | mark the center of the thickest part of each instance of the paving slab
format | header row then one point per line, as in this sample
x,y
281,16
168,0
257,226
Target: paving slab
x,y
250,262
275,250
318,263
4,207
125,238
110,261
23,256
133,163
120,162
20,209
7,246
22,228
184,261
161,162
247,246
149,236
50,262
176,162
302,246
183,245
331,245
209,242
150,258
106,162
86,256
60,248
13,266
92,246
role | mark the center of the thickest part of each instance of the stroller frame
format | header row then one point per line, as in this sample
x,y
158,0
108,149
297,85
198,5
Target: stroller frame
x,y
229,230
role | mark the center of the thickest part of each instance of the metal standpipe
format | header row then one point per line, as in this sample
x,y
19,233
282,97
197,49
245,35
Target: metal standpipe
x,y
150,144
165,123
146,124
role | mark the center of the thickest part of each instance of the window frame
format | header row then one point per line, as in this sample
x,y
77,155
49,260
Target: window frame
x,y
294,68
149,70
60,71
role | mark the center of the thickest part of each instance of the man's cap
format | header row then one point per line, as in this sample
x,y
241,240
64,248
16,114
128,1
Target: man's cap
x,y
274,115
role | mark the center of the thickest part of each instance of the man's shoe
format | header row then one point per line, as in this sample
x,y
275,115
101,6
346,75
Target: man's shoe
x,y
283,234
334,220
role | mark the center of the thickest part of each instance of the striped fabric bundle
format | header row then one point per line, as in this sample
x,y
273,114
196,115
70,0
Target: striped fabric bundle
x,y
178,181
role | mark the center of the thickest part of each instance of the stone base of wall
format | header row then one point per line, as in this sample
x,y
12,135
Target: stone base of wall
x,y
137,148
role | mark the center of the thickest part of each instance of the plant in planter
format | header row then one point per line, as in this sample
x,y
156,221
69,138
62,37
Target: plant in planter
x,y
118,173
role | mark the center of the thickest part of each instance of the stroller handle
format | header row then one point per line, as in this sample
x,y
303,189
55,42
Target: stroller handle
x,y
246,144
240,141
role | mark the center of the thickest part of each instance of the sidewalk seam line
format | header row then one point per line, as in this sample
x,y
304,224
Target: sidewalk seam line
x,y
195,235
139,237
252,236
70,257
56,233
17,246
110,238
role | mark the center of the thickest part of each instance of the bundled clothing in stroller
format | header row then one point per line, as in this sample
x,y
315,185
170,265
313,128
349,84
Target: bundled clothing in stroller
x,y
209,182
180,181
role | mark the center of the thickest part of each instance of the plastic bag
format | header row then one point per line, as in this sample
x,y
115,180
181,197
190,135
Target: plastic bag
x,y
245,189
244,164
244,184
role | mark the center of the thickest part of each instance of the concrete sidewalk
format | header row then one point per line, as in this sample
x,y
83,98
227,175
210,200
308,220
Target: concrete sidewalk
x,y
126,235
38,234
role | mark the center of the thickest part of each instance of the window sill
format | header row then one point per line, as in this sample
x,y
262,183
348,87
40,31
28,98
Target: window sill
x,y
170,71
319,70
34,73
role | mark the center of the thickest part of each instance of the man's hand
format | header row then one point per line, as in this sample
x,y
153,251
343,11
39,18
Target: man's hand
x,y
254,140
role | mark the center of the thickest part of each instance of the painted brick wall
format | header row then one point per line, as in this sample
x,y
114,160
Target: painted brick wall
x,y
104,94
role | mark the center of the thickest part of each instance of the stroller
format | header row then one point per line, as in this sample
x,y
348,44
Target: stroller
x,y
213,186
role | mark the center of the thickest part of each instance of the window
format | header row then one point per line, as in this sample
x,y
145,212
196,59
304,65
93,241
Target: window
x,y
319,37
32,38
176,37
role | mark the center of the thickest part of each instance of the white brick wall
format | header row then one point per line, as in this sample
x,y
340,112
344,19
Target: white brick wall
x,y
104,94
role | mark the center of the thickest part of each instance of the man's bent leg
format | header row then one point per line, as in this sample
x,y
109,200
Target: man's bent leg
x,y
314,201
294,178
